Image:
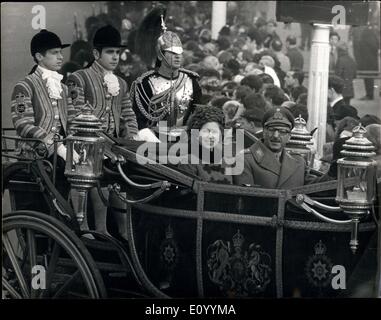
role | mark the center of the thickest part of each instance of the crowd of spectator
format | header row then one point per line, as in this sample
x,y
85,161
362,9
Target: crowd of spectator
x,y
246,71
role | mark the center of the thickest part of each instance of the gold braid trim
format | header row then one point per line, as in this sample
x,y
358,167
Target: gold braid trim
x,y
144,111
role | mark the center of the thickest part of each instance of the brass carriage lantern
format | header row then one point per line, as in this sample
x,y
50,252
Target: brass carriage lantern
x,y
356,201
300,140
84,159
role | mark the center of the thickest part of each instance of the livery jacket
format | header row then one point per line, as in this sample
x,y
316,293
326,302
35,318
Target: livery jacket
x,y
88,85
263,169
151,97
36,115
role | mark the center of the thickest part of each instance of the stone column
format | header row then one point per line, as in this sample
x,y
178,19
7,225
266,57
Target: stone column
x,y
318,85
218,17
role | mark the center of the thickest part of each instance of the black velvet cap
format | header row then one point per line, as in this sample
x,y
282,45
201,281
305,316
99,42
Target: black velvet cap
x,y
107,36
45,40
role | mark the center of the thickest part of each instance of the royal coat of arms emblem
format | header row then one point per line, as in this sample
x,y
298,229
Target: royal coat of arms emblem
x,y
238,272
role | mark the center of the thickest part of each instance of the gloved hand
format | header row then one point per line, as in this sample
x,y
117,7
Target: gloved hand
x,y
136,138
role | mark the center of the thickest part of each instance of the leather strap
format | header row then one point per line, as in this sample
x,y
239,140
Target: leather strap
x,y
53,190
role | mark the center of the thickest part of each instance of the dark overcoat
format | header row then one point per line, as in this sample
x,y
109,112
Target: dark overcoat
x,y
346,69
261,168
369,45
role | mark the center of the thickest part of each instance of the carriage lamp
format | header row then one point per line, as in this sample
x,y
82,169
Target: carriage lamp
x,y
300,140
356,201
356,189
84,159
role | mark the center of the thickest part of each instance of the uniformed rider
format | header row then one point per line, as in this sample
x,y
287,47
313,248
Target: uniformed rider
x,y
168,92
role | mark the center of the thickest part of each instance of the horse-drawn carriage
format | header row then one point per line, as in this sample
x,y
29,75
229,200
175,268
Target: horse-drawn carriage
x,y
186,237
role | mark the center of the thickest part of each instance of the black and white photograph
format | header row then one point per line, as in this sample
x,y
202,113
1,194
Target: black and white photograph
x,y
156,150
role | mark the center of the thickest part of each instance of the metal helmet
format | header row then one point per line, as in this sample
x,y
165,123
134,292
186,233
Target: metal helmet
x,y
153,39
170,41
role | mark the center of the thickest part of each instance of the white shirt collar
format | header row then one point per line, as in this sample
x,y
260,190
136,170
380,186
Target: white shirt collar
x,y
53,82
44,70
50,73
336,100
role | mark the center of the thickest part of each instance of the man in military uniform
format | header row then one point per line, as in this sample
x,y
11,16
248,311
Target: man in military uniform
x,y
41,106
266,163
167,93
109,95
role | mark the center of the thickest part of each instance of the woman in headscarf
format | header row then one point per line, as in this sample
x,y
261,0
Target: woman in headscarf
x,y
205,135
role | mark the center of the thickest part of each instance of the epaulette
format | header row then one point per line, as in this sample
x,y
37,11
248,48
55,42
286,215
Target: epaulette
x,y
145,75
189,72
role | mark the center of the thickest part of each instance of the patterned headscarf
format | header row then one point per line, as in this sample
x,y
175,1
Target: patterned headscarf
x,y
204,114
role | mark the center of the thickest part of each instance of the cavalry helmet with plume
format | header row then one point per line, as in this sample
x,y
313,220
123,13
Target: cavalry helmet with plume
x,y
153,38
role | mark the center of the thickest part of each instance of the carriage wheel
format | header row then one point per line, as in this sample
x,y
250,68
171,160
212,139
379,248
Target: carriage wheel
x,y
65,268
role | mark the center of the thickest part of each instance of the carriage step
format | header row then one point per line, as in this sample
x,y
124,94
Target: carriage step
x,y
102,266
117,274
24,186
61,277
99,245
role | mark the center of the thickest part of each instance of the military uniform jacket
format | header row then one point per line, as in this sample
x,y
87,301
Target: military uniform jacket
x,y
88,85
35,114
263,169
150,100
